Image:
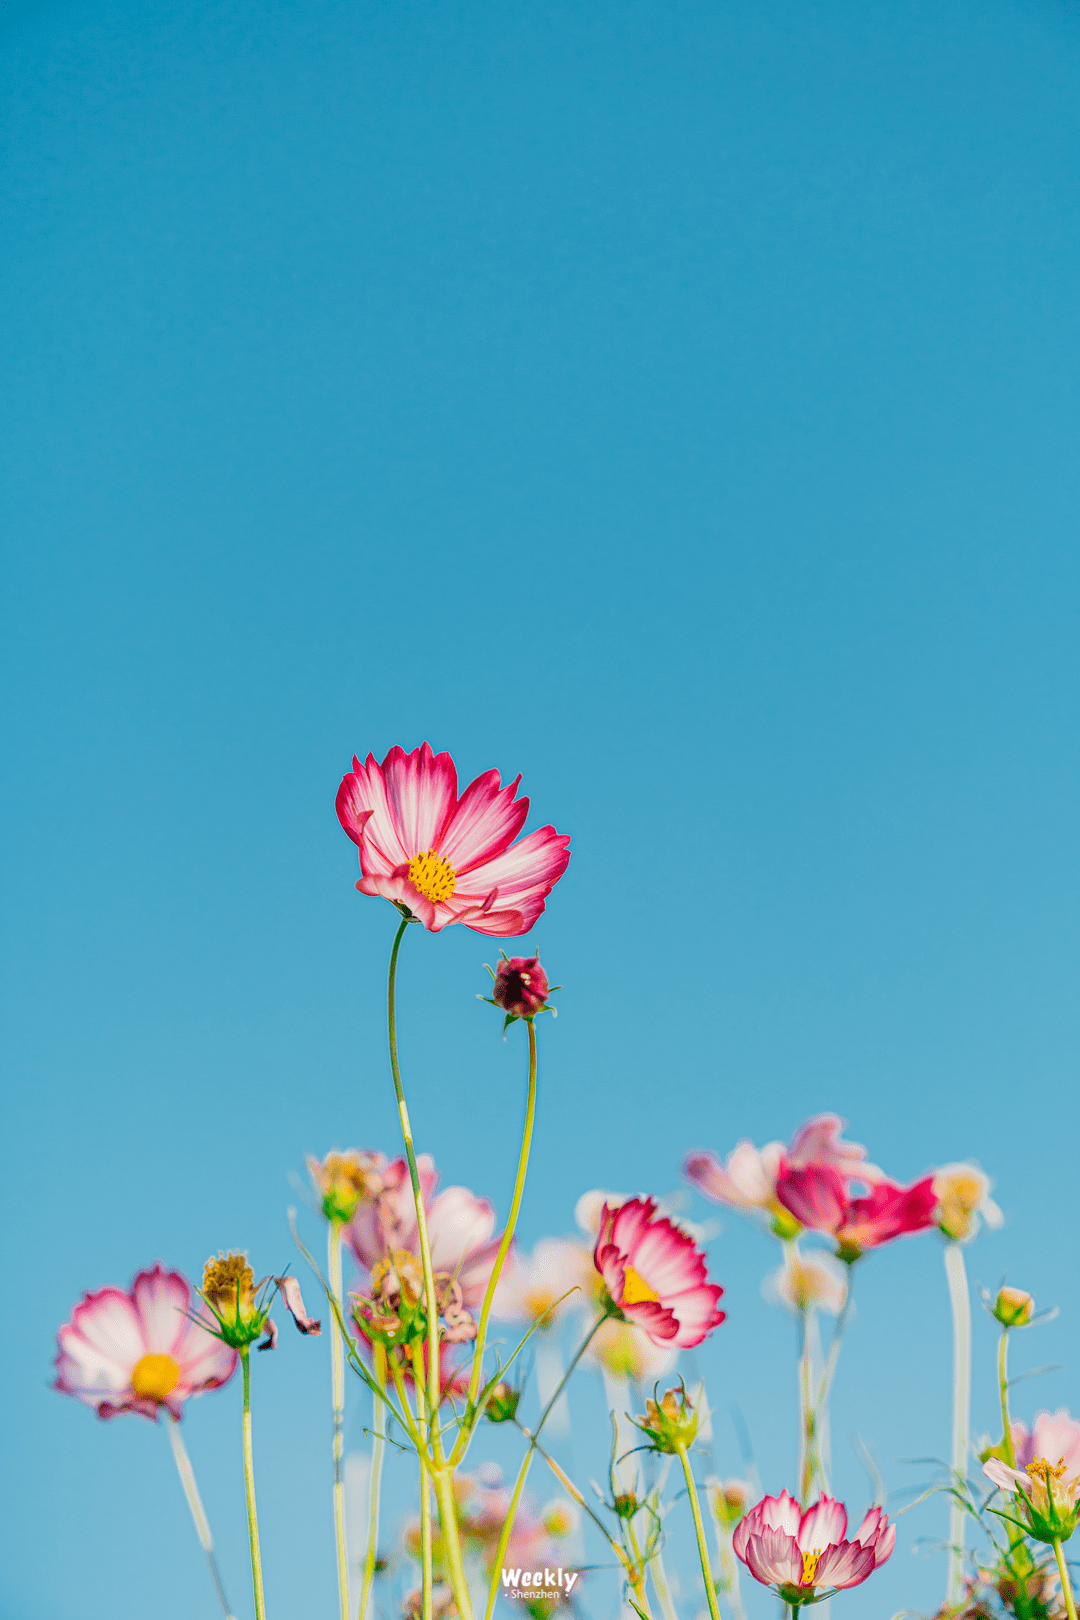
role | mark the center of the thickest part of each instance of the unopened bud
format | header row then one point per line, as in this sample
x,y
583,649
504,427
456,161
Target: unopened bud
x,y
671,1424
521,986
502,1404
1013,1307
345,1180
626,1504
728,1499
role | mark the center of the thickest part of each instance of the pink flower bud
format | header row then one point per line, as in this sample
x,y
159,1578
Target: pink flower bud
x,y
521,986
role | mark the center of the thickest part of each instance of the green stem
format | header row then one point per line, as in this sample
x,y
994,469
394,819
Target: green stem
x,y
807,1463
378,1445
508,1234
1066,1584
337,1394
444,1495
194,1502
699,1530
249,1485
960,1300
1003,1383
414,1177
663,1589
504,1537
423,1429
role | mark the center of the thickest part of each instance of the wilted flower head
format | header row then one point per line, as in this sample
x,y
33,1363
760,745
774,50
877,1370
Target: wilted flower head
x,y
747,1179
240,1306
445,859
344,1180
670,1424
805,1556
1045,1493
963,1200
460,1227
1013,1307
655,1275
808,1282
396,1311
140,1351
521,987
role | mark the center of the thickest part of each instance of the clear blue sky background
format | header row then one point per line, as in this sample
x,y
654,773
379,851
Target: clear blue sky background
x,y
674,401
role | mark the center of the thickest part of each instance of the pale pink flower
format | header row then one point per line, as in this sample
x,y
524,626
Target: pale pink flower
x,y
459,1224
747,1179
655,1275
448,859
140,1351
963,1195
531,1283
1053,1434
803,1556
804,1282
624,1351
819,1197
1046,1493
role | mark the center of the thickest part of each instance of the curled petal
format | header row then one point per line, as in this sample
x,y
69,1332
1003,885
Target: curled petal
x,y
270,1341
289,1289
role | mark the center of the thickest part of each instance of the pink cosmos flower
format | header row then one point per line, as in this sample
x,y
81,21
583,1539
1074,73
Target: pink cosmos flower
x,y
655,1275
747,1180
805,1556
818,1197
1054,1434
459,1224
448,859
139,1352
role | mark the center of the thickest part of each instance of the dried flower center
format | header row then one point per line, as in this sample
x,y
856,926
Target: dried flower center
x,y
636,1290
434,877
810,1562
155,1377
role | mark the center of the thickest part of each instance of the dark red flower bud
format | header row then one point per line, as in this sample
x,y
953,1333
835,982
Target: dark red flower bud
x,y
521,986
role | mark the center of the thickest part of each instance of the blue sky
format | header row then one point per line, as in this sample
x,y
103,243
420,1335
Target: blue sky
x,y
674,402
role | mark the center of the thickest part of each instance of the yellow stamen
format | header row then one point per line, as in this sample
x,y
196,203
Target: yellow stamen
x,y
434,877
636,1290
810,1562
155,1377
1042,1470
539,1301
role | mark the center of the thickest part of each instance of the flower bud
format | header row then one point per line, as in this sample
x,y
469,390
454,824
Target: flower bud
x,y
671,1425
626,1504
1013,1307
728,1499
502,1403
963,1200
521,986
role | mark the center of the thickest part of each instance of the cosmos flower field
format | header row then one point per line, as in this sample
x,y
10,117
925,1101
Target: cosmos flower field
x,y
417,1273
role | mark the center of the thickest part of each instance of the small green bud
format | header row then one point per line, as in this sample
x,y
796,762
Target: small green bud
x,y
1013,1307
672,1423
502,1404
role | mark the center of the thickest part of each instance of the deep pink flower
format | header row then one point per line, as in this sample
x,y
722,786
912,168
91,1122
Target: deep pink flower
x,y
448,859
140,1351
804,1556
460,1227
655,1275
521,986
747,1180
818,1197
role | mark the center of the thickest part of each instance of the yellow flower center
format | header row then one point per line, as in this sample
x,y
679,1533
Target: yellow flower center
x,y
1045,1471
539,1301
636,1290
434,877
810,1562
155,1377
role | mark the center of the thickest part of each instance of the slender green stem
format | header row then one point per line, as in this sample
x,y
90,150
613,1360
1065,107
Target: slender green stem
x,y
699,1530
568,1485
194,1502
504,1537
423,1428
378,1446
1066,1584
807,1455
249,1485
960,1300
635,1573
1003,1385
337,1392
508,1234
414,1177
663,1589
451,1540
